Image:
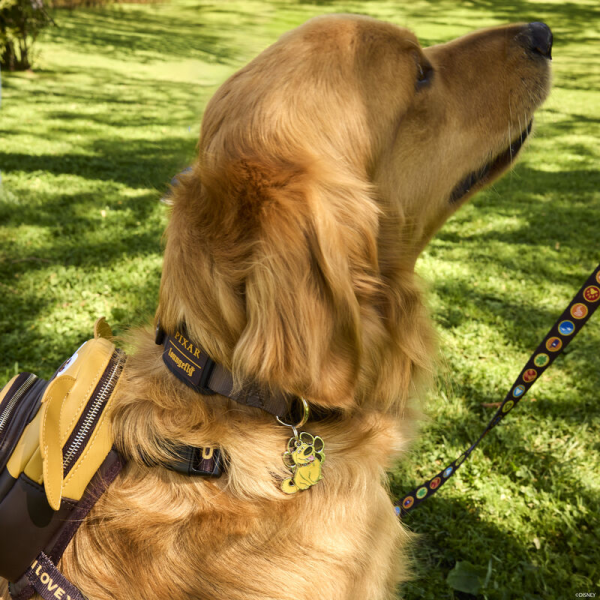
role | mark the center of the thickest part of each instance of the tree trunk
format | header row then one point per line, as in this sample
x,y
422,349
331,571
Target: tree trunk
x,y
8,57
23,62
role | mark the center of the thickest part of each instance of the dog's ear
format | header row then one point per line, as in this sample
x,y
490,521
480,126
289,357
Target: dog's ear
x,y
318,444
314,250
272,244
270,264
279,260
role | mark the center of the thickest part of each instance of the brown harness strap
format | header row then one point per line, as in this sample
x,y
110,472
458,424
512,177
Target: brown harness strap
x,y
31,524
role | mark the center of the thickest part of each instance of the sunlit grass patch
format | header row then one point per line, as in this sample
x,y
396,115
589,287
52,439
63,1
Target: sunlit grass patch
x,y
91,139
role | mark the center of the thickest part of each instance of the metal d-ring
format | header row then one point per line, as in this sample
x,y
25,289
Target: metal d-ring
x,y
305,413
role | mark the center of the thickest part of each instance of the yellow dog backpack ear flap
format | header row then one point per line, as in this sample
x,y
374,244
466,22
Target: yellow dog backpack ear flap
x,y
102,329
77,401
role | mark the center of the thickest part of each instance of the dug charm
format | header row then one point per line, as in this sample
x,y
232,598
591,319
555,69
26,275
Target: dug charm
x,y
304,457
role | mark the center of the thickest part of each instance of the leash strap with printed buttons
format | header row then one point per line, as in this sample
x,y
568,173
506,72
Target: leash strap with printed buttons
x,y
570,323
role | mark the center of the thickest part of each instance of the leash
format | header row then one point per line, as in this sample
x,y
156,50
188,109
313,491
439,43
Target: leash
x,y
569,324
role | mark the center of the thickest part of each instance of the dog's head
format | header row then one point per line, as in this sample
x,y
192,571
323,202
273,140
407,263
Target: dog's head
x,y
325,165
471,108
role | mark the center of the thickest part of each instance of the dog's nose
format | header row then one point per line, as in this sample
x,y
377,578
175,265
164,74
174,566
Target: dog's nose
x,y
541,38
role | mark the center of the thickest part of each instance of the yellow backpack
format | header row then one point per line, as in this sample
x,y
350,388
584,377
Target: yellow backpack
x,y
56,455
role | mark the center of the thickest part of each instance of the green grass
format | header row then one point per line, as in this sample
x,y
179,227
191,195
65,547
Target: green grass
x,y
90,139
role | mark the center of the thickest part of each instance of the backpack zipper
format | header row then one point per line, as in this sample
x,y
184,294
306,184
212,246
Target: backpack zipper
x,y
6,413
88,420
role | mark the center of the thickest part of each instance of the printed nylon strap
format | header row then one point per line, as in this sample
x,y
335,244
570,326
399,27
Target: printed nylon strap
x,y
192,365
49,582
581,308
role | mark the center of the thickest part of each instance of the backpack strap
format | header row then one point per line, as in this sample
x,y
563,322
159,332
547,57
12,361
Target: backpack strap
x,y
42,576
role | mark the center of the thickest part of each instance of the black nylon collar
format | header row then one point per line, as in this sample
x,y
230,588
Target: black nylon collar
x,y
192,365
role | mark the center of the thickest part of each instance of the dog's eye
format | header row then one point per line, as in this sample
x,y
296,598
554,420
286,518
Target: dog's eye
x,y
424,75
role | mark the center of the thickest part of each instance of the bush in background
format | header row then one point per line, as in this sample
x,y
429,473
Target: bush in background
x,y
20,24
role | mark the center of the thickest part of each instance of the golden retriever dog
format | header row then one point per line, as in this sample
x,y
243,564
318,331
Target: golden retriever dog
x,y
325,166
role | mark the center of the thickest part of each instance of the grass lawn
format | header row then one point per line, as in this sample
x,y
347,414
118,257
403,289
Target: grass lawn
x,y
89,140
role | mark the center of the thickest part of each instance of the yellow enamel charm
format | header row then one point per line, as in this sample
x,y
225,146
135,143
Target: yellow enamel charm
x,y
304,457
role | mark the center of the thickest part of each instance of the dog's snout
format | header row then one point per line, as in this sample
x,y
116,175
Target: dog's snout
x,y
540,38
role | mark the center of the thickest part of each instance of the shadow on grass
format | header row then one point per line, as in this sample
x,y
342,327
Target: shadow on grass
x,y
516,563
523,194
143,35
73,226
135,164
70,218
571,15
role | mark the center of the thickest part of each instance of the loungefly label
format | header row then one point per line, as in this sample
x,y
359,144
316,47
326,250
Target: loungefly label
x,y
182,364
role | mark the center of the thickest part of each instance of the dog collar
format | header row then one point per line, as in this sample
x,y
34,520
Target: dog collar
x,y
192,365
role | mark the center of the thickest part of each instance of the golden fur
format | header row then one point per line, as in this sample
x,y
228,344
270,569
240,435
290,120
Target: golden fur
x,y
322,173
